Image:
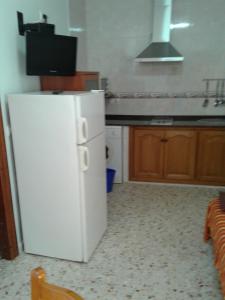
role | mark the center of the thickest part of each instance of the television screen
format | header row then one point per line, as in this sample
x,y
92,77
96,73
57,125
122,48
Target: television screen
x,y
50,54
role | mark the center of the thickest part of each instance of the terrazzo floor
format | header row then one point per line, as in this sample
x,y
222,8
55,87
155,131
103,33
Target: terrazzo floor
x,y
153,249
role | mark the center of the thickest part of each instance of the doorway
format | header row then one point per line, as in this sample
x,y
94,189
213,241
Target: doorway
x,y
8,241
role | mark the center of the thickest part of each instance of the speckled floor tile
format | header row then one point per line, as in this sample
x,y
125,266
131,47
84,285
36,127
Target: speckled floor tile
x,y
153,249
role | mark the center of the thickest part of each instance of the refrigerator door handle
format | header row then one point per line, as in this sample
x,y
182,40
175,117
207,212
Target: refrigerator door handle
x,y
83,130
85,158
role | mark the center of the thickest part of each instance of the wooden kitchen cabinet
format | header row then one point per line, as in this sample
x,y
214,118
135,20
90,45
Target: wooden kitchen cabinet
x,y
157,153
179,154
146,157
175,154
211,156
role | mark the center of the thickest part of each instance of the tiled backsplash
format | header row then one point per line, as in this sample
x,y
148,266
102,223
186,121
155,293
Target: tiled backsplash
x,y
163,106
117,31
149,95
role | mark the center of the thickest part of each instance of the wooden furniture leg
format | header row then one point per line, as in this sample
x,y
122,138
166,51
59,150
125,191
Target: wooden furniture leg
x,y
41,290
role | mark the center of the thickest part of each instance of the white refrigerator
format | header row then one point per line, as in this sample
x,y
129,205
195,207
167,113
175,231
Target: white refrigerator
x,y
59,150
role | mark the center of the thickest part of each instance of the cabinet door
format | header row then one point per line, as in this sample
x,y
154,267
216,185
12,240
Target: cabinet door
x,y
8,241
180,152
211,156
146,155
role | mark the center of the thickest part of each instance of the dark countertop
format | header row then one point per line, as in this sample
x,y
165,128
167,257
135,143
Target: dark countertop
x,y
182,121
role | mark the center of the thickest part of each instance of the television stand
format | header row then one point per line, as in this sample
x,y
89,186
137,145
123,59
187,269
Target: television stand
x,y
82,81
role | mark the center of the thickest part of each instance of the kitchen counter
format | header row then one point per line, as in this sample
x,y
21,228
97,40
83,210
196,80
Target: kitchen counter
x,y
176,121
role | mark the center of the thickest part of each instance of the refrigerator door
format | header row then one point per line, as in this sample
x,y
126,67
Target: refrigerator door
x,y
47,169
93,191
90,109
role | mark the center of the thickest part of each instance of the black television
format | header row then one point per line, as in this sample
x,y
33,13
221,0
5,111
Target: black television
x,y
53,55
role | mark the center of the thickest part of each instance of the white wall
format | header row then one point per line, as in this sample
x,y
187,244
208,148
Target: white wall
x,y
117,31
78,28
12,59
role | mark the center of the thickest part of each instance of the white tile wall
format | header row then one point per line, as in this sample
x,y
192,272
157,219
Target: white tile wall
x,y
174,107
118,30
77,15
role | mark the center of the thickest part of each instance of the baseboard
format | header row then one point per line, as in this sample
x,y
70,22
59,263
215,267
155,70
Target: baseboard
x,y
222,187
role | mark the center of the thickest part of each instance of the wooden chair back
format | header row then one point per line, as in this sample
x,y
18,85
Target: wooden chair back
x,y
41,290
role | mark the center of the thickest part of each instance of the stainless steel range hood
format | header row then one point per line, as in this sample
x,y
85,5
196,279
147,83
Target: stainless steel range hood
x,y
160,50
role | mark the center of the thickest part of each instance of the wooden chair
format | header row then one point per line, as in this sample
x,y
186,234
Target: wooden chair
x,y
41,290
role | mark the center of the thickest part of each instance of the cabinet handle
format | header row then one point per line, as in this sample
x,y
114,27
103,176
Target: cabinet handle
x,y
164,140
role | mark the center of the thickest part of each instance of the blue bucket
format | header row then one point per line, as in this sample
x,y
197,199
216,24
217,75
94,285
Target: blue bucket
x,y
110,174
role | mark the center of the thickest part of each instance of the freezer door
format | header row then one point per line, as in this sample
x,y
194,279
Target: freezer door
x,y
90,110
93,190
